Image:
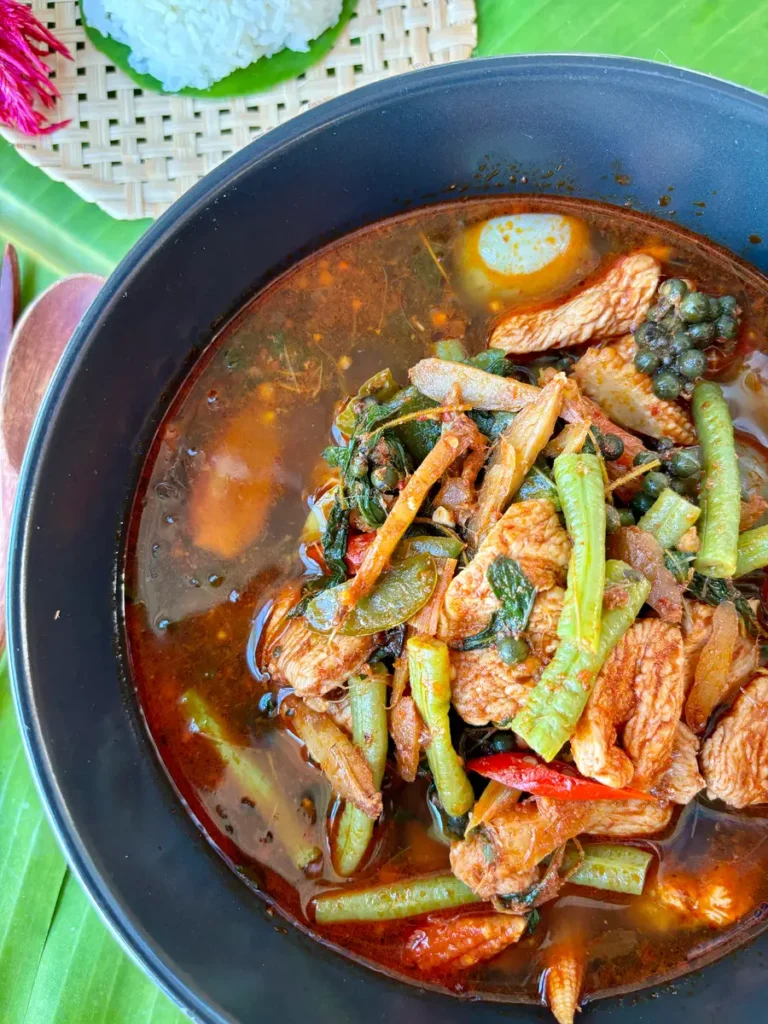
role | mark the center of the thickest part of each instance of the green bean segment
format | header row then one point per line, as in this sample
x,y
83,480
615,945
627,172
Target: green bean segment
x,y
580,487
556,702
431,688
368,702
720,488
271,803
669,518
609,866
395,900
752,551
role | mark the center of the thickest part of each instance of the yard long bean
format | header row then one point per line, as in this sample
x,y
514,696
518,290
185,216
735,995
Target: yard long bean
x,y
720,490
669,517
395,900
752,551
368,703
431,688
557,700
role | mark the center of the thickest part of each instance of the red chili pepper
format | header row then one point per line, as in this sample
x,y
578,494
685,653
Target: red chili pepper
x,y
357,545
557,780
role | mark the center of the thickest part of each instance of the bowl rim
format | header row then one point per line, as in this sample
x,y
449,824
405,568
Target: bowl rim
x,y
114,912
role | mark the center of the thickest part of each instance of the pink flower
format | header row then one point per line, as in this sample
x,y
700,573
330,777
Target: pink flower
x,y
23,75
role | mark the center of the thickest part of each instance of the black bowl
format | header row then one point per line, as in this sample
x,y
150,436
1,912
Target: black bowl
x,y
628,132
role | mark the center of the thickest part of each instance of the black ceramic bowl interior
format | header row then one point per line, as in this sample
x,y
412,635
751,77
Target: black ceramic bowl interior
x,y
616,130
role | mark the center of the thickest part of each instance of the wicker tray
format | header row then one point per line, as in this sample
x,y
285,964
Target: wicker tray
x,y
134,152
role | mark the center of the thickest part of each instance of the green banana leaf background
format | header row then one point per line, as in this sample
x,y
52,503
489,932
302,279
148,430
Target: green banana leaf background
x,y
58,962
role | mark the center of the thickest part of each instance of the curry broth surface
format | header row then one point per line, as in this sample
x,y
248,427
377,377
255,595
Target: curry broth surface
x,y
373,300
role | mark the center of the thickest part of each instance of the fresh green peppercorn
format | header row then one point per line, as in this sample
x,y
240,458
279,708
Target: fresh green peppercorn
x,y
655,482
681,342
668,359
727,305
714,307
659,344
611,446
684,464
512,650
686,389
564,363
645,334
726,327
673,289
669,324
502,742
666,384
701,334
659,311
640,504
665,444
358,467
646,361
626,517
612,519
694,307
692,364
680,486
384,478
643,458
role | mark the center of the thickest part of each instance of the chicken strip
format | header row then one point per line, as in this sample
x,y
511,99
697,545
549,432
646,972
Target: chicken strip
x,y
501,856
530,533
613,305
697,629
486,689
608,376
682,780
734,760
640,692
314,663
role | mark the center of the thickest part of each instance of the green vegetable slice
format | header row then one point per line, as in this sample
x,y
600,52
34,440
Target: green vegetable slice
x,y
609,866
257,77
438,547
395,900
398,594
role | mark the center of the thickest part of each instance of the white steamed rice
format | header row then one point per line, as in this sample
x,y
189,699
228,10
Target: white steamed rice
x,y
197,42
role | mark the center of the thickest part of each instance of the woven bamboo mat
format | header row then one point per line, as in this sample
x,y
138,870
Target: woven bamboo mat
x,y
134,152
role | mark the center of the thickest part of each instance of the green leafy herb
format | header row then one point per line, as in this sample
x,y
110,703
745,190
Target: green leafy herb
x,y
714,591
493,361
533,921
492,424
336,456
335,537
512,587
679,563
538,484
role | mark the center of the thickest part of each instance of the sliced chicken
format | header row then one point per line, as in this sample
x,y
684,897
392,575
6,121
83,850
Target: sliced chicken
x,y
608,376
314,663
615,304
734,760
639,693
697,628
484,688
501,856
682,780
531,534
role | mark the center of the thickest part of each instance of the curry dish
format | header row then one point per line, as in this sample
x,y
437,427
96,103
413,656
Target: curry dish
x,y
445,598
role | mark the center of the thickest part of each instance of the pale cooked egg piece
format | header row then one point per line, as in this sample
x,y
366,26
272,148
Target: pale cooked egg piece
x,y
523,256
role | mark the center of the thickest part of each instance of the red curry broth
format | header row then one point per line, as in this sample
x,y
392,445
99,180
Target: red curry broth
x,y
265,393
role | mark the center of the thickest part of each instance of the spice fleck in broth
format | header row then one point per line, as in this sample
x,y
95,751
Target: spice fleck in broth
x,y
230,531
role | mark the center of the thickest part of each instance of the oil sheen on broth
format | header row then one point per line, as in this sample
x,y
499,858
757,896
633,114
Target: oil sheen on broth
x,y
265,393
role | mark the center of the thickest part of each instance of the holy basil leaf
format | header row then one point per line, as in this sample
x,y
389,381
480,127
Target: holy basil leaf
x,y
336,533
679,563
715,591
515,591
336,456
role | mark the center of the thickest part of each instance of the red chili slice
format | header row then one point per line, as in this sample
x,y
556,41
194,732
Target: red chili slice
x,y
557,780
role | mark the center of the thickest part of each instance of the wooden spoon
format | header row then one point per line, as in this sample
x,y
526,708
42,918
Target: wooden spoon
x,y
30,358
